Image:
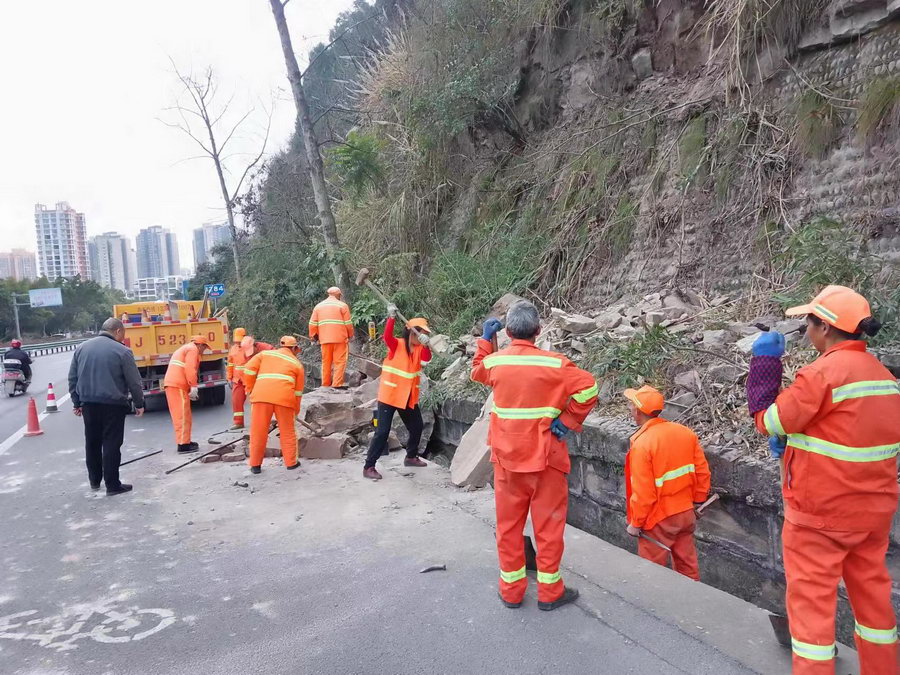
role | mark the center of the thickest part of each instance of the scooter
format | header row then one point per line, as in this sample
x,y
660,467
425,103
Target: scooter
x,y
14,381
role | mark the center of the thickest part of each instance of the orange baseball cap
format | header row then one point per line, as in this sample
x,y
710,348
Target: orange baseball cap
x,y
420,323
239,334
288,341
334,290
199,340
646,399
837,306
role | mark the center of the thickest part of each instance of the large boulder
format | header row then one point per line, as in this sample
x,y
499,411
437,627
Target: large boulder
x,y
399,429
366,391
471,463
333,410
334,446
573,323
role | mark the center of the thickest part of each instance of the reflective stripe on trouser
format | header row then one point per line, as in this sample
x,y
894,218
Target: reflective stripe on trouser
x,y
180,410
334,363
676,532
260,417
814,563
546,494
238,401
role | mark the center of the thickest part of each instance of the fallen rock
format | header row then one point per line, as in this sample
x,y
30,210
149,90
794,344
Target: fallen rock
x,y
724,373
354,378
676,405
370,368
454,368
209,459
233,457
744,345
624,332
715,339
439,344
501,307
608,320
578,346
366,391
789,326
334,446
652,319
689,380
333,410
573,323
400,430
642,64
393,442
471,463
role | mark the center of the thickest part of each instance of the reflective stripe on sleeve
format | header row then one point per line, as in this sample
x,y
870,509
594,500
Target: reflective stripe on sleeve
x,y
548,577
526,413
511,360
877,635
176,362
512,577
389,384
865,388
586,395
276,376
772,421
674,473
247,371
812,652
400,373
270,353
298,393
846,453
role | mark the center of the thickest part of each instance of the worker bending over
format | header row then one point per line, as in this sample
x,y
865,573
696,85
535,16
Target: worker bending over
x,y
330,324
666,473
181,388
838,428
398,392
274,380
539,396
240,353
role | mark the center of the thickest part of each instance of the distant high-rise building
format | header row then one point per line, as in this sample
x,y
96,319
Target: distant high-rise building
x,y
157,253
18,264
61,242
112,261
163,288
206,237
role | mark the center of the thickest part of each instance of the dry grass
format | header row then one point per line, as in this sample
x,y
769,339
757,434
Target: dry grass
x,y
879,106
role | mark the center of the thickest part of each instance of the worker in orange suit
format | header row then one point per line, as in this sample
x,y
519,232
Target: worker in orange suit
x,y
234,373
666,474
398,391
274,380
539,397
331,326
181,385
838,431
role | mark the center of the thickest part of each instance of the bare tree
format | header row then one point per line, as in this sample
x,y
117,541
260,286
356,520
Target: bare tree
x,y
201,110
314,157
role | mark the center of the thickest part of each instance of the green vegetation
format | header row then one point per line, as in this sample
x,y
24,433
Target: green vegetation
x,y
643,359
357,164
692,151
879,106
817,124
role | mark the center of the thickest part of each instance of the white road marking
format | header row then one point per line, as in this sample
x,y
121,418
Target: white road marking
x,y
16,435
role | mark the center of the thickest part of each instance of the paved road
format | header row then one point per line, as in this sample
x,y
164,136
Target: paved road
x,y
315,571
50,368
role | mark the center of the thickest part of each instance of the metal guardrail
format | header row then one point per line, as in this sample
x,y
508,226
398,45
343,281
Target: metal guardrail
x,y
48,347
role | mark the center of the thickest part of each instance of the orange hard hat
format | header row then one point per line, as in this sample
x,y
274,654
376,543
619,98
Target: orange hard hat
x,y
239,334
420,323
334,290
646,399
200,340
247,343
288,341
837,306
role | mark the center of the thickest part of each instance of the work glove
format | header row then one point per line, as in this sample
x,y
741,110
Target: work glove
x,y
558,429
315,338
769,344
195,393
392,310
777,446
491,327
424,339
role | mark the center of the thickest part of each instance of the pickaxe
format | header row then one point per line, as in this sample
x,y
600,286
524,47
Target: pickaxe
x,y
362,279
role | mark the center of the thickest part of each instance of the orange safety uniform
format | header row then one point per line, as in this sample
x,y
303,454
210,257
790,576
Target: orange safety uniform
x,y
181,375
400,374
330,321
238,356
274,380
532,387
665,473
840,417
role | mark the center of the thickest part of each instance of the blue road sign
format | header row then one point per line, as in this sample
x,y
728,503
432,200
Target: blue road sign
x,y
215,290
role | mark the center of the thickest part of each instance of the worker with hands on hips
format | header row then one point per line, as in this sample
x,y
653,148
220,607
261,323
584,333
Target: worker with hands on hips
x,y
839,435
538,397
181,386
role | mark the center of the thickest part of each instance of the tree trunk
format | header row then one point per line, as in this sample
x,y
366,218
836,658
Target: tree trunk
x,y
229,207
314,158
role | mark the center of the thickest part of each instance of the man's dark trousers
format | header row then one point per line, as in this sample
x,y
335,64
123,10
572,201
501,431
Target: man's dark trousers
x,y
104,431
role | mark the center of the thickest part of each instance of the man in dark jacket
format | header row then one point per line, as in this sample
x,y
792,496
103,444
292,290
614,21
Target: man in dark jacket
x,y
101,377
16,353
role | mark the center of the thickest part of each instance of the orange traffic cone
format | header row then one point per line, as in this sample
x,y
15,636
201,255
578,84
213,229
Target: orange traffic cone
x,y
34,425
51,400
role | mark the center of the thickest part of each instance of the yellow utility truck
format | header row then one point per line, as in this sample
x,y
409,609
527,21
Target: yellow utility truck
x,y
154,330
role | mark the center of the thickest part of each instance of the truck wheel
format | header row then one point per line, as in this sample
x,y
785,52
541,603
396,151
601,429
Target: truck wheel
x,y
213,396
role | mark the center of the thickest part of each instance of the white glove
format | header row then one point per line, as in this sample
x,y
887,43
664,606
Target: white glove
x,y
424,339
392,310
195,394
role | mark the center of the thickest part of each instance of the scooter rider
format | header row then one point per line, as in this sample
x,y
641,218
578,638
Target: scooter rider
x,y
16,353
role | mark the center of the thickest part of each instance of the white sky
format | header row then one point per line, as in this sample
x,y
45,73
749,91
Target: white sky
x,y
84,82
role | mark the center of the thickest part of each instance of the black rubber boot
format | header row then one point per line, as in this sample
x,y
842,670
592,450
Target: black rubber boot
x,y
255,469
123,487
186,447
291,468
194,446
507,603
569,595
